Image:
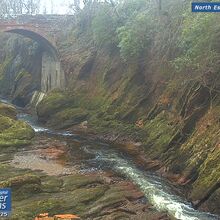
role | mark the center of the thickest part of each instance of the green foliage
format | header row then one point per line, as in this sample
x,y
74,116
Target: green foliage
x,y
198,43
130,8
136,25
135,36
128,24
104,26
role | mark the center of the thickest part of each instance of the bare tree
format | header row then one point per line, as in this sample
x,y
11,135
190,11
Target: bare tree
x,y
31,6
52,6
160,5
16,7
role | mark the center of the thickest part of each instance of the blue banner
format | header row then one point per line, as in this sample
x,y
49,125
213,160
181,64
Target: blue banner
x,y
5,202
205,6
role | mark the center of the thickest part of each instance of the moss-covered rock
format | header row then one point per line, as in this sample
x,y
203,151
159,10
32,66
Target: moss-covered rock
x,y
79,181
159,132
68,117
19,181
5,83
13,132
72,194
52,103
8,110
212,204
198,158
22,88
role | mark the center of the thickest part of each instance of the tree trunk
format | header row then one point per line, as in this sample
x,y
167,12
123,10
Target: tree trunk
x,y
160,5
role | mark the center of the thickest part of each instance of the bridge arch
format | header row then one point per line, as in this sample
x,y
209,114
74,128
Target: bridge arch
x,y
52,75
39,38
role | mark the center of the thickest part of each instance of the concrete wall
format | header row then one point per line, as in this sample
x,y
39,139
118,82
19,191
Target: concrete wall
x,y
52,75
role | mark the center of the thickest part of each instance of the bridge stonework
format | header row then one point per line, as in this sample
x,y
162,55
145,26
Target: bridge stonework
x,y
42,29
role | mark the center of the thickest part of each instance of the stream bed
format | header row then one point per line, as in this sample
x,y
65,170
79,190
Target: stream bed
x,y
91,156
62,154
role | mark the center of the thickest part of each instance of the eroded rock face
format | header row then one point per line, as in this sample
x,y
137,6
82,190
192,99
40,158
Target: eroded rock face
x,y
212,202
22,89
170,117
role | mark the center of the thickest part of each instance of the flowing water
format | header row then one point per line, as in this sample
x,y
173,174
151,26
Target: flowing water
x,y
100,156
156,190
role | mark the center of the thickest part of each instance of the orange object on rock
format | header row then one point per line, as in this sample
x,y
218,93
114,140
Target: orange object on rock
x,y
66,217
42,216
45,216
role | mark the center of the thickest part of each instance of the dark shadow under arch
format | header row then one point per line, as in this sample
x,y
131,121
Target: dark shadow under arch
x,y
45,44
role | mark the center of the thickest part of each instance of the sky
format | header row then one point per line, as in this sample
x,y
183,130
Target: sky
x,y
55,6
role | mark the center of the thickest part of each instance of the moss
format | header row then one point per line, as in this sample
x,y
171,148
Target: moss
x,y
4,84
19,130
6,123
7,110
115,195
18,181
13,132
78,181
213,202
7,72
68,117
198,158
52,103
70,194
28,210
9,172
70,112
208,177
22,186
81,199
21,74
160,131
51,184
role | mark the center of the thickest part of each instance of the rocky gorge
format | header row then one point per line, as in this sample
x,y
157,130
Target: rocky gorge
x,y
159,111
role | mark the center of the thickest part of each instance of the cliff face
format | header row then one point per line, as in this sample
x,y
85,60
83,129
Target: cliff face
x,y
175,117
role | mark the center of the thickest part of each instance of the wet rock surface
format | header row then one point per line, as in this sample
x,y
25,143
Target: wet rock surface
x,y
55,182
13,133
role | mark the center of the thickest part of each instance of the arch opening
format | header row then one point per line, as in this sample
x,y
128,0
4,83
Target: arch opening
x,y
46,44
50,62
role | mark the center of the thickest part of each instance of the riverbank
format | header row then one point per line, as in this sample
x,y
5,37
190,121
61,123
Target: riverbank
x,y
157,143
52,174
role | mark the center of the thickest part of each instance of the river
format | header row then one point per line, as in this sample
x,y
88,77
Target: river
x,y
93,155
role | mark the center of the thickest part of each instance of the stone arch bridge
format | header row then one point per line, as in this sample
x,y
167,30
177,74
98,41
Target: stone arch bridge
x,y
42,29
